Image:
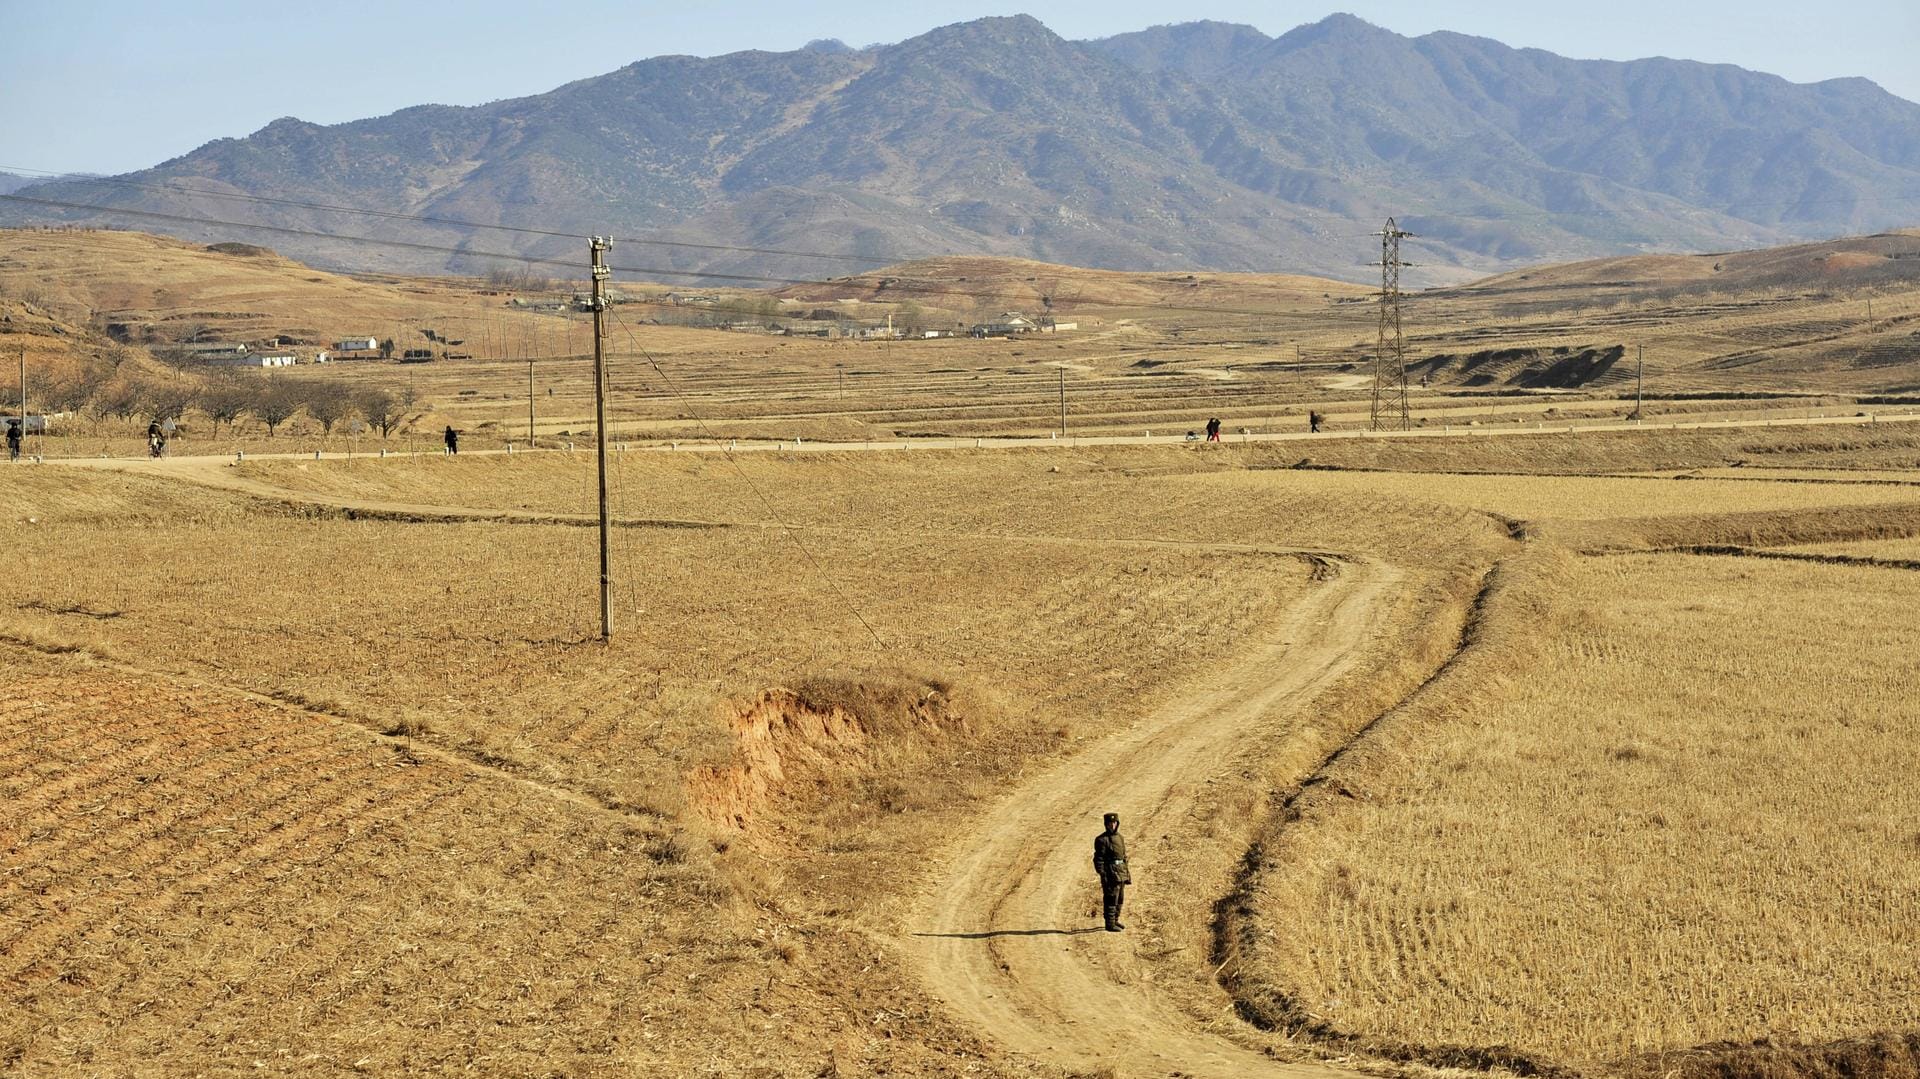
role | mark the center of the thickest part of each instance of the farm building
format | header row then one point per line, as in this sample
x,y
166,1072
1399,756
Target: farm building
x,y
1009,324
357,344
252,359
34,425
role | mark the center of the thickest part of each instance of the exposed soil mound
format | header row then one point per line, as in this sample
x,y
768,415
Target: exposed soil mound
x,y
1525,368
799,744
240,249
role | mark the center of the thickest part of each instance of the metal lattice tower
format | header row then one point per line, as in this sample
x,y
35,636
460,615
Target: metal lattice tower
x,y
1390,361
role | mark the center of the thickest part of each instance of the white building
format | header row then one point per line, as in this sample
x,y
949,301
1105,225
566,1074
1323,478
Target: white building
x,y
253,359
355,344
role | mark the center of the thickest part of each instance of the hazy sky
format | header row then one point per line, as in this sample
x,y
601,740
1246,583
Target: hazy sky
x,y
115,85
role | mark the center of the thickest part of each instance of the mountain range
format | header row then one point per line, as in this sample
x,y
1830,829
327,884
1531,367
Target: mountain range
x,y
1203,145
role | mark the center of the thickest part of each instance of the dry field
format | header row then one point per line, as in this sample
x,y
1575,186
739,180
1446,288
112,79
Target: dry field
x,y
318,767
1152,352
1581,498
1686,820
1900,549
318,804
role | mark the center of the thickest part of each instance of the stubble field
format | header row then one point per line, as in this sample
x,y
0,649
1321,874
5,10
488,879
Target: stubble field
x,y
1685,821
318,766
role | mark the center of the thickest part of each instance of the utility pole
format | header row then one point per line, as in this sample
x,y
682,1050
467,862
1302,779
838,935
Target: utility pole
x,y
598,246
23,400
1390,358
1639,386
1063,402
529,404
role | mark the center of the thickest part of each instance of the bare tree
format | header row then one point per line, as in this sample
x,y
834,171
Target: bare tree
x,y
170,400
275,402
328,403
123,400
381,408
226,399
72,394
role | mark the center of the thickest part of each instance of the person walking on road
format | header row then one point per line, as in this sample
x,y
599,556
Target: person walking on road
x,y
1110,861
453,440
1314,420
1213,429
13,440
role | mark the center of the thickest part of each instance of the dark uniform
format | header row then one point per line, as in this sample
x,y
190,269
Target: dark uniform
x,y
13,439
1110,861
453,440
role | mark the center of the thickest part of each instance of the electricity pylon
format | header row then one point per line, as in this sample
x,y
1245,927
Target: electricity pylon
x,y
1390,360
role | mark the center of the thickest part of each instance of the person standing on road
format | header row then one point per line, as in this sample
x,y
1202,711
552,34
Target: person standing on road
x,y
1110,861
453,440
13,440
1213,429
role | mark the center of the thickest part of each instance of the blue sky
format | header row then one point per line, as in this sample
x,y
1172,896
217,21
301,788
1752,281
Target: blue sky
x,y
112,86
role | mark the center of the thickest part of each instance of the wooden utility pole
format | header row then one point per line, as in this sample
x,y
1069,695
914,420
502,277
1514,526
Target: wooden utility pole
x,y
1639,384
529,404
1063,402
598,246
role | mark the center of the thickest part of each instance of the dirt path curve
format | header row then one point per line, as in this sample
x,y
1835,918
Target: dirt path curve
x,y
1004,935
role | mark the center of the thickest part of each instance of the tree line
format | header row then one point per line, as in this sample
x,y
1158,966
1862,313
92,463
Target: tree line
x,y
227,398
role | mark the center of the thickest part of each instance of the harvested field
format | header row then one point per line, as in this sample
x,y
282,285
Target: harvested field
x,y
1576,498
195,880
1906,549
319,766
454,665
1613,857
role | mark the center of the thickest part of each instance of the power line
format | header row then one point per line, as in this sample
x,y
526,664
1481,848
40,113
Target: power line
x,y
792,534
908,288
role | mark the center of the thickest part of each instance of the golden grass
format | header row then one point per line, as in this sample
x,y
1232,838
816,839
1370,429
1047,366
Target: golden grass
x,y
1818,475
1906,549
474,632
511,867
1659,834
1573,498
386,925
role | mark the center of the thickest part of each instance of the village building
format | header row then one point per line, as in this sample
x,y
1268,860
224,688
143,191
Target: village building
x,y
1008,324
251,359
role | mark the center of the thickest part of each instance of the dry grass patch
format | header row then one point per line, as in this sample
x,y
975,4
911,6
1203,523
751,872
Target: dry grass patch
x,y
1899,549
1575,498
1660,835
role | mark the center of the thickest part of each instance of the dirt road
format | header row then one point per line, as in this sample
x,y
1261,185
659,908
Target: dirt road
x,y
1007,935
